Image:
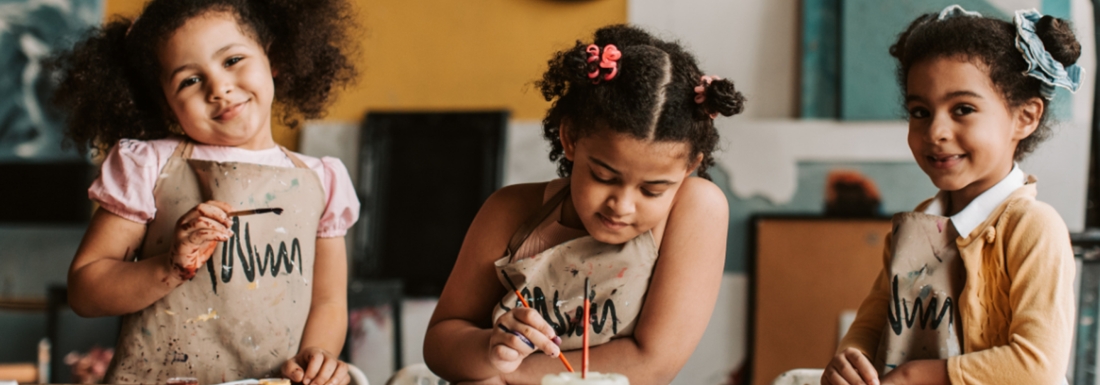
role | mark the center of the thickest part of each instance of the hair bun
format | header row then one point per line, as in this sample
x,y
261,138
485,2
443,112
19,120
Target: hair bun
x,y
722,97
577,62
1058,38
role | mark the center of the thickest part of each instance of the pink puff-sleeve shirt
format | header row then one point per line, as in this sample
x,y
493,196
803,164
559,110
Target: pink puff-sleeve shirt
x,y
131,169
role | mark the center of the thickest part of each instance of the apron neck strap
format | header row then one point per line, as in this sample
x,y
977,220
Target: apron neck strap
x,y
529,226
293,158
183,150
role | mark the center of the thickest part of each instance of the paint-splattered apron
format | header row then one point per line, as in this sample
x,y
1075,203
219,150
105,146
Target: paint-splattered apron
x,y
926,276
553,281
242,315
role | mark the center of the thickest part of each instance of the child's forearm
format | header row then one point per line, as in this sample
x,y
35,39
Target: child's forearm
x,y
623,355
458,351
101,280
326,328
327,325
919,372
109,287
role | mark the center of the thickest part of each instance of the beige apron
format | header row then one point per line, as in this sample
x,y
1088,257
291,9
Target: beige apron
x,y
243,315
926,276
553,281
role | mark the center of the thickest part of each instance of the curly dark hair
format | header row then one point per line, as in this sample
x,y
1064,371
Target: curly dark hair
x,y
991,43
109,81
651,97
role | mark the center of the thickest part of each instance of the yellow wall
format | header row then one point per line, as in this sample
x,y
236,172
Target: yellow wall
x,y
454,54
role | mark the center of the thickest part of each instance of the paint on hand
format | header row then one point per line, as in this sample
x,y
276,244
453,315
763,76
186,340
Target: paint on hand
x,y
193,259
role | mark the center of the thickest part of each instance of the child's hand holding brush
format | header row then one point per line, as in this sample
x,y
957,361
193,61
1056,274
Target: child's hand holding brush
x,y
519,333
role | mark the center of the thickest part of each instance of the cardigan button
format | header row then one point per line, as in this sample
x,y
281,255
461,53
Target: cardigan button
x,y
990,234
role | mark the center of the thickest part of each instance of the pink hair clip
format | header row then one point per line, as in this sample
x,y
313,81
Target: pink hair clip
x,y
611,56
610,60
593,55
701,91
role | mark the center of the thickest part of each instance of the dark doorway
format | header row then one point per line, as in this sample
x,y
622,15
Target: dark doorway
x,y
422,179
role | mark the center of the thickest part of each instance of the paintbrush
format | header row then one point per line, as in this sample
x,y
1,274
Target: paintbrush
x,y
519,295
276,210
584,324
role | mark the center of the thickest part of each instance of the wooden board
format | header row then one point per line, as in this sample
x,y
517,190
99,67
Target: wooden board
x,y
806,272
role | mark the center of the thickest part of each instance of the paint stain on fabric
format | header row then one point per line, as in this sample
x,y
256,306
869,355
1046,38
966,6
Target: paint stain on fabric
x,y
253,285
210,314
621,272
913,274
278,299
248,342
270,197
178,357
280,230
939,226
169,312
925,291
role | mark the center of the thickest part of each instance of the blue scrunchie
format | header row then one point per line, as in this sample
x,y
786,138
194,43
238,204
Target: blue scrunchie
x,y
1040,64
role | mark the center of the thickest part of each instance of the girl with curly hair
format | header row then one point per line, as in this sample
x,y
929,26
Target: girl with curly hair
x,y
977,284
631,122
223,251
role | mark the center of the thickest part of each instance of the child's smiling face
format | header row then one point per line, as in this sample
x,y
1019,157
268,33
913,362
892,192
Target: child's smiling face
x,y
623,186
961,131
218,83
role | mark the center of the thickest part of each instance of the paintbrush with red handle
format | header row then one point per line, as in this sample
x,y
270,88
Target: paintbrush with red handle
x,y
584,324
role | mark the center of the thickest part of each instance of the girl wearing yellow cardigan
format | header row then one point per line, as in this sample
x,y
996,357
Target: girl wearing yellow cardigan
x,y
977,286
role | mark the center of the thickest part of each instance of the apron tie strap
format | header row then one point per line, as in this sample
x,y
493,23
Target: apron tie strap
x,y
529,226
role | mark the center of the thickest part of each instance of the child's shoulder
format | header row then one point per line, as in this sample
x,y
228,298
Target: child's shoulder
x,y
516,199
1022,211
147,147
137,153
503,213
702,194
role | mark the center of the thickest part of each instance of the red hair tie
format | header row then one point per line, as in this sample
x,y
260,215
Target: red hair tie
x,y
609,60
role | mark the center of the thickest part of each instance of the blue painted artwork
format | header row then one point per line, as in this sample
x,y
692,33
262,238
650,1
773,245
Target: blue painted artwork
x,y
847,71
868,81
820,96
30,30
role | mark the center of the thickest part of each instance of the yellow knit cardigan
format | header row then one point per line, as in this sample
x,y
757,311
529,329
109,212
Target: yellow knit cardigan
x,y
1017,307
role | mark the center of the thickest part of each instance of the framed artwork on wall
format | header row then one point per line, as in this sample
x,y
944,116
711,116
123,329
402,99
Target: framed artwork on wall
x,y
47,180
